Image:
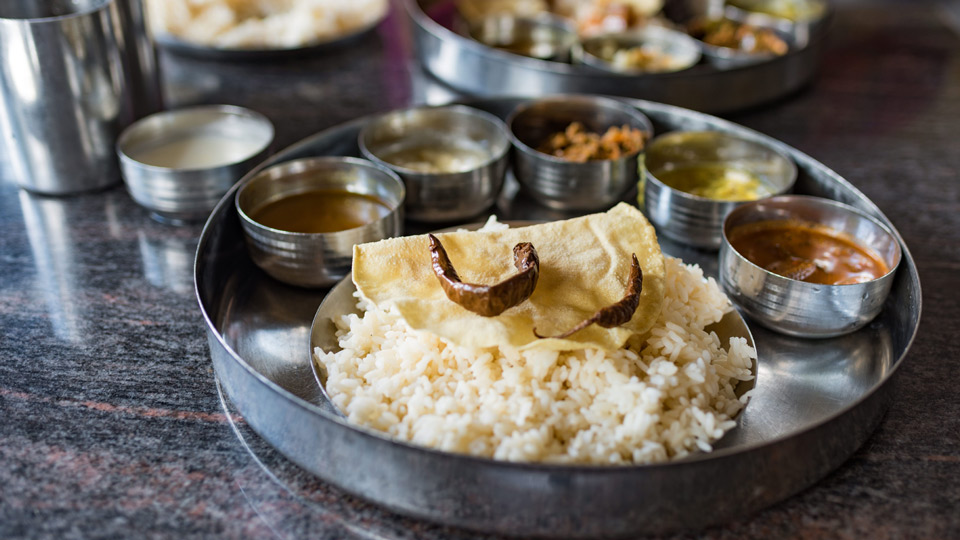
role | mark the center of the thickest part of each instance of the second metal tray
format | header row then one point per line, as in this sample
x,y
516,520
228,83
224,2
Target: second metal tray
x,y
474,68
815,403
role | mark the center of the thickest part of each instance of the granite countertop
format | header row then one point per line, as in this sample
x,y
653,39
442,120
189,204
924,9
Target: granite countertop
x,y
110,419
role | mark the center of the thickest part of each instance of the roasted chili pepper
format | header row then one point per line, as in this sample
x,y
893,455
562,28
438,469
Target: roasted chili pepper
x,y
616,314
488,300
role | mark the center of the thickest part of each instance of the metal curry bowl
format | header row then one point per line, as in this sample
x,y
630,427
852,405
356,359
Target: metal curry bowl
x,y
316,259
695,220
601,51
567,185
442,196
798,308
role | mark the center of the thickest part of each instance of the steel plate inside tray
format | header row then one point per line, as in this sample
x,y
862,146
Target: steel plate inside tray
x,y
816,401
477,69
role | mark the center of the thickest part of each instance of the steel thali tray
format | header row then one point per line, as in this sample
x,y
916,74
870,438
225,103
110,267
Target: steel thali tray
x,y
815,403
477,69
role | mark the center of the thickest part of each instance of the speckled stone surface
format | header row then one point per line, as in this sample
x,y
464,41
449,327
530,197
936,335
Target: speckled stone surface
x,y
110,421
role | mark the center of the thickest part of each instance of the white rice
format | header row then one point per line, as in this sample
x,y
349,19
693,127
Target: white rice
x,y
667,394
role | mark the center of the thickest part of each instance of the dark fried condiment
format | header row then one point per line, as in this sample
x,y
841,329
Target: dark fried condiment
x,y
807,252
488,300
577,144
320,211
614,315
743,37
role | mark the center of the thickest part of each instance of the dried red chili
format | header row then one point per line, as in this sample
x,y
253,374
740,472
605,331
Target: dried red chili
x,y
614,315
488,300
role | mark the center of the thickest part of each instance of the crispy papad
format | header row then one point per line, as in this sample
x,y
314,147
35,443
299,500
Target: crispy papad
x,y
584,266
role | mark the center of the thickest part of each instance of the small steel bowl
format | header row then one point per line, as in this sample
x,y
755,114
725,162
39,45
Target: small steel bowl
x,y
798,308
544,36
808,18
600,51
442,196
179,164
316,259
730,57
566,185
691,219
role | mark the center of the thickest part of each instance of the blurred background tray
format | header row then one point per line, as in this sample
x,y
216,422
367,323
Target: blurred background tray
x,y
471,67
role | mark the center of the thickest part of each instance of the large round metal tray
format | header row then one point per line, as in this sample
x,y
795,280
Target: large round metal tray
x,y
815,402
474,68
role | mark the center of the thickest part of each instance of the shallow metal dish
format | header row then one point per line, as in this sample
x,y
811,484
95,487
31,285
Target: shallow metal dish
x,y
474,68
731,57
815,403
209,52
340,301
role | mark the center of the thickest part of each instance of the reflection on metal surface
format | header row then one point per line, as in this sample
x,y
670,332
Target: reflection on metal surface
x,y
429,91
167,260
269,324
55,244
803,379
293,504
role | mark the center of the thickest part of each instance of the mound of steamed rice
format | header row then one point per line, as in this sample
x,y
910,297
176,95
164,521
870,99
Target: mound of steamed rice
x,y
668,393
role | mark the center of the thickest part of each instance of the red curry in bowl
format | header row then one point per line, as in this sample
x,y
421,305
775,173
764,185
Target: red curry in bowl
x,y
807,251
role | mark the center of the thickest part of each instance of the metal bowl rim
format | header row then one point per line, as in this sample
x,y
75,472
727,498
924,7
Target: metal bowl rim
x,y
734,54
683,195
546,18
774,21
494,157
637,34
159,117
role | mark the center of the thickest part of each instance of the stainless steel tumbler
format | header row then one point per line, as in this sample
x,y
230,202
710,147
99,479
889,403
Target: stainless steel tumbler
x,y
66,90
